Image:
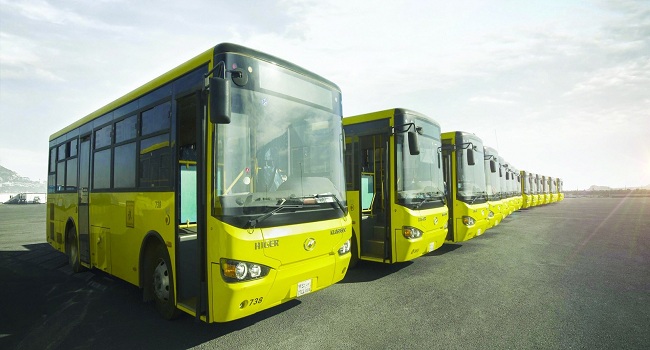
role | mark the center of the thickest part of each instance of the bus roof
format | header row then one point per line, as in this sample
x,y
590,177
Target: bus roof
x,y
203,58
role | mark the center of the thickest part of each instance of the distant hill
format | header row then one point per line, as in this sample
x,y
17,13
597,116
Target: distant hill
x,y
607,188
599,188
11,182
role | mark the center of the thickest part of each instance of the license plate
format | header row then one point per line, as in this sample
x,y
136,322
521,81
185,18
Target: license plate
x,y
304,287
431,246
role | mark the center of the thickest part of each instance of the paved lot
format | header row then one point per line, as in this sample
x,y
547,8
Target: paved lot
x,y
575,274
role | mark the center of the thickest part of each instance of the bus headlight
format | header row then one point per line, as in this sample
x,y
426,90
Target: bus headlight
x,y
239,271
411,232
468,221
490,214
345,248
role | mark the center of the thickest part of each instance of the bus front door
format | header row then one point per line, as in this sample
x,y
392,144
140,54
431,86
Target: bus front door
x,y
188,251
375,219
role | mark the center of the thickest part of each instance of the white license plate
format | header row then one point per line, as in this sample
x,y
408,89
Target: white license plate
x,y
431,246
304,287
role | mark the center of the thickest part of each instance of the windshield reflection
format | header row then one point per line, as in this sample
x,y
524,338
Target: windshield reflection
x,y
419,177
471,178
277,152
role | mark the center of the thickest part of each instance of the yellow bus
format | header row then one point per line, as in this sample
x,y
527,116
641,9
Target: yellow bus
x,y
560,190
506,197
493,186
217,188
526,189
395,189
552,185
511,188
537,198
546,190
516,187
465,185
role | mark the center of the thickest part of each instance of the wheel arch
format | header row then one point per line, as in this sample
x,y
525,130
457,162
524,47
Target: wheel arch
x,y
151,240
70,225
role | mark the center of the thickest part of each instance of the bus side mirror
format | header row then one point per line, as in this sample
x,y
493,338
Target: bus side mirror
x,y
414,146
507,175
470,156
493,166
220,107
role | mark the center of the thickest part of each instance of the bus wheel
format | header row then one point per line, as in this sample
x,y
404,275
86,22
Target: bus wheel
x,y
162,283
354,259
72,250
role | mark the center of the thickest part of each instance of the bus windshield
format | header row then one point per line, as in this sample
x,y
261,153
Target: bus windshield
x,y
471,178
419,179
279,154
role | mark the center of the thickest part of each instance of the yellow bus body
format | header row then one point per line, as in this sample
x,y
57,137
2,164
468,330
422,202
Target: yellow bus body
x,y
125,225
526,191
560,190
460,227
496,208
553,189
477,211
495,193
378,232
433,223
290,264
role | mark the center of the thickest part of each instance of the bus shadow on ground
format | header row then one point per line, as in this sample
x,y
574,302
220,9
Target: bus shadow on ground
x,y
446,248
367,271
64,304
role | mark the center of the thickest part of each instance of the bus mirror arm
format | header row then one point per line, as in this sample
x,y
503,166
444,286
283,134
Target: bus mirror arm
x,y
219,97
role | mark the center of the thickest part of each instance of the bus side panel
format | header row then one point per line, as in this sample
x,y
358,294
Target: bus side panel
x,y
119,223
61,208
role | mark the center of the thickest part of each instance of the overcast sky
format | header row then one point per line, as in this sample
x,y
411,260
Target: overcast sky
x,y
560,88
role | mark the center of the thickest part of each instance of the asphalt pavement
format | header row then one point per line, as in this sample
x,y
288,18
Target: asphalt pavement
x,y
569,275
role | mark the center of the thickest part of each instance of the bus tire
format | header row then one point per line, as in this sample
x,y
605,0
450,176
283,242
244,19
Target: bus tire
x,y
354,251
161,283
72,250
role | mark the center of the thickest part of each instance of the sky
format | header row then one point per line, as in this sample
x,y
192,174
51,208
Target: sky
x,y
558,87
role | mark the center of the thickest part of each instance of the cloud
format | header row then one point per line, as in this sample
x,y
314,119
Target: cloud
x,y
45,13
20,58
500,100
628,75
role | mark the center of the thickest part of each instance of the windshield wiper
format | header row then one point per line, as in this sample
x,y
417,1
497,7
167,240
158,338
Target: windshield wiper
x,y
477,196
434,195
417,206
338,202
252,223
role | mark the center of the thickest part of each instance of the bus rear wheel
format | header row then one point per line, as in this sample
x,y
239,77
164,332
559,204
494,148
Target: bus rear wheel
x,y
161,283
72,250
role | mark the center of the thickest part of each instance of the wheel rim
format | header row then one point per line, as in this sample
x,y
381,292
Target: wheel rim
x,y
161,281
